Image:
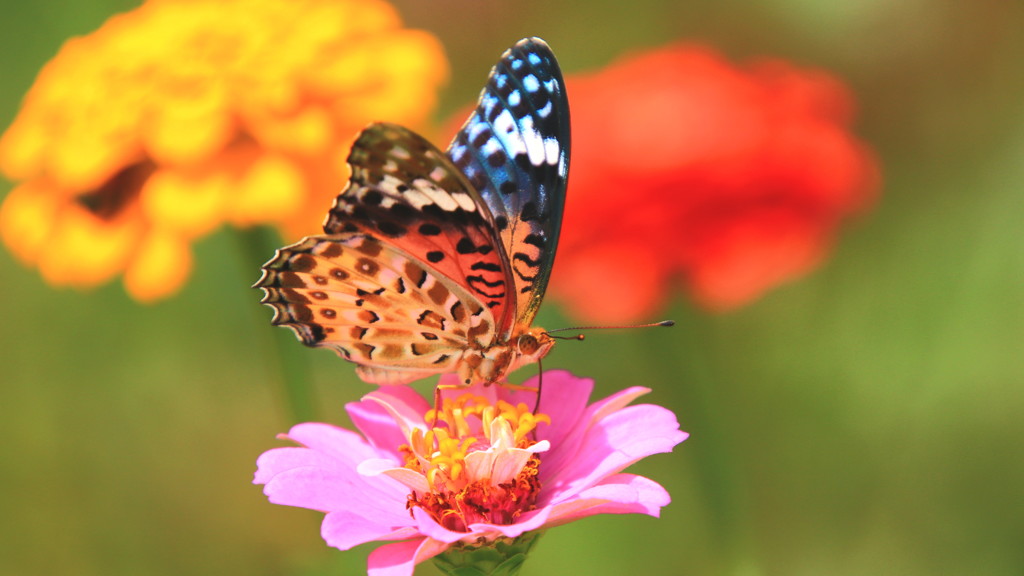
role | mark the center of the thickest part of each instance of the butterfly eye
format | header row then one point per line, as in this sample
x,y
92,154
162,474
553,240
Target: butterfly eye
x,y
528,344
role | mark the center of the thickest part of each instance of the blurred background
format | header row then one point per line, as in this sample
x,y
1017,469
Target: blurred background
x,y
863,419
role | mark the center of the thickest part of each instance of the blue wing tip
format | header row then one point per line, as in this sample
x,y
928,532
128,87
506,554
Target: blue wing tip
x,y
532,46
532,41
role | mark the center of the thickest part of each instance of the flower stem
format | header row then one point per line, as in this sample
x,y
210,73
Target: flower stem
x,y
687,353
257,245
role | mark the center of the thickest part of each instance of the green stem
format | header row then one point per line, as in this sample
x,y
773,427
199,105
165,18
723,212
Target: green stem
x,y
687,353
256,246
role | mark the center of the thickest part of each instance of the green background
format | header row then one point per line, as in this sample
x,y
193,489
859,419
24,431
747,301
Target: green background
x,y
866,419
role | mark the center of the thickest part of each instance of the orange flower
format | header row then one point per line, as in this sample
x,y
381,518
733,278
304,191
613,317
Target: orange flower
x,y
687,167
182,115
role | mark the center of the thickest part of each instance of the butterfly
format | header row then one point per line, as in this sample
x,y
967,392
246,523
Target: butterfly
x,y
434,262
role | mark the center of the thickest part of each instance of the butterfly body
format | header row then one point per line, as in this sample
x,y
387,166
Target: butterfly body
x,y
436,262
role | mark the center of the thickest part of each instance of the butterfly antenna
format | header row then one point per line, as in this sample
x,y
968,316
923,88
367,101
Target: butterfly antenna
x,y
576,337
580,336
540,368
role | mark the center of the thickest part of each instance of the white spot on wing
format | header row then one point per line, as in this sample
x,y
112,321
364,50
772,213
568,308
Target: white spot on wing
x,y
552,150
457,151
417,198
438,174
475,130
504,123
487,103
465,201
531,83
533,142
443,199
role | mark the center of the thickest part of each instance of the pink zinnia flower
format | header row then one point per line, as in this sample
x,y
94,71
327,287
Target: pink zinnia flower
x,y
490,470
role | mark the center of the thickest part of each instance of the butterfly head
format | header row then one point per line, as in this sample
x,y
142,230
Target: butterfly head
x,y
533,345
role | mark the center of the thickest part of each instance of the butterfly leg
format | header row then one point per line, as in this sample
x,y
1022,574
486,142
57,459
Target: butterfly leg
x,y
437,406
438,402
540,385
465,371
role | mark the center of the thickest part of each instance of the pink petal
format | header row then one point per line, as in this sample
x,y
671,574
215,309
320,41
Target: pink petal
x,y
612,444
569,433
401,558
382,500
567,447
631,490
602,408
377,424
343,445
343,530
273,462
427,526
564,398
411,479
531,521
619,494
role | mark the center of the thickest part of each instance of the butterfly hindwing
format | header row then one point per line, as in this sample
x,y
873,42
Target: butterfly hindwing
x,y
407,192
375,305
514,150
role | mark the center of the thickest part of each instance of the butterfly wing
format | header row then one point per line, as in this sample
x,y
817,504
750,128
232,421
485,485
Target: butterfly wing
x,y
408,193
514,149
375,305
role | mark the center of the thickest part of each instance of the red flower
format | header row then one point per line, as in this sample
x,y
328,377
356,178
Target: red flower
x,y
687,167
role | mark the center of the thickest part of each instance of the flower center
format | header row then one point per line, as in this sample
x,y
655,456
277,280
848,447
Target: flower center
x,y
479,461
107,201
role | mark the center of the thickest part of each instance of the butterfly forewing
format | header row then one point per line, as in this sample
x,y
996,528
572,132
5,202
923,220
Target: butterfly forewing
x,y
408,193
514,150
375,305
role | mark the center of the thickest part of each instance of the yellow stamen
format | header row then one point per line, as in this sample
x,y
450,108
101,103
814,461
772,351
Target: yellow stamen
x,y
462,427
440,452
